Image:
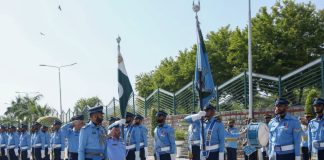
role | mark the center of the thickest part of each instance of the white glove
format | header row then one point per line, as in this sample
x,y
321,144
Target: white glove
x,y
49,150
62,154
198,115
221,155
121,122
137,155
16,152
173,156
297,158
146,151
28,153
43,153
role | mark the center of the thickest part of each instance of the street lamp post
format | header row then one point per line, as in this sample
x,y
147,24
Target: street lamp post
x,y
59,74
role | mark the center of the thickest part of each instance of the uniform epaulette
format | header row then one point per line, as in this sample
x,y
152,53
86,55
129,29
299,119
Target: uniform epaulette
x,y
85,126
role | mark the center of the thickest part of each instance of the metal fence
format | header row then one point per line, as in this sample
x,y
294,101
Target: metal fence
x,y
231,95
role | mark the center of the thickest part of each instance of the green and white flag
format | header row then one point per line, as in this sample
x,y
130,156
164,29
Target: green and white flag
x,y
124,86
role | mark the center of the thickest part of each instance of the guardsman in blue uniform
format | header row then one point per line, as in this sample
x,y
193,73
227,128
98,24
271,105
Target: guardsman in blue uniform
x,y
316,131
116,148
3,142
214,134
164,139
285,133
304,141
24,143
47,137
231,138
13,143
111,121
92,141
72,132
143,136
57,142
37,142
264,150
193,137
132,138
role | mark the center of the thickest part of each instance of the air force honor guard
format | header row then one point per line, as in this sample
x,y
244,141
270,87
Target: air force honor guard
x,y
132,138
57,142
92,141
193,137
285,134
24,143
316,131
143,136
37,142
164,140
231,140
71,131
3,142
13,143
116,148
214,134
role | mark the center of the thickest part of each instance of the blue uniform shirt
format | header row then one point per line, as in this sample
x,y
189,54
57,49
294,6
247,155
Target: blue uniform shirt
x,y
304,140
24,141
132,136
72,137
143,135
92,140
316,134
231,137
37,140
284,132
47,138
57,140
164,137
116,149
3,139
13,140
194,130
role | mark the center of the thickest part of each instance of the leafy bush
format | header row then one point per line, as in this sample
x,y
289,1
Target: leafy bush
x,y
180,134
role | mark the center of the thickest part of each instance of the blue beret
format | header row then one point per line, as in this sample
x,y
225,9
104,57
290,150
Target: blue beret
x,y
2,127
12,127
318,101
97,109
77,117
114,125
209,106
138,116
112,119
57,122
161,113
128,114
281,101
23,126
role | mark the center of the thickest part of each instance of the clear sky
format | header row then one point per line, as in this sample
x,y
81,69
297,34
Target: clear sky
x,y
85,32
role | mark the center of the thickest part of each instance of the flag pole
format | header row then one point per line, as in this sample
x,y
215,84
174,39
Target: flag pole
x,y
196,9
121,114
250,64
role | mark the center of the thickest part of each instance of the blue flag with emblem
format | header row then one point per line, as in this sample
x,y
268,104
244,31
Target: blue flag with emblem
x,y
203,78
124,86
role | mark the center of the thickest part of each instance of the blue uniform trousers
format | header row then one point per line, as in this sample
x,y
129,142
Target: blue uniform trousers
x,y
253,156
231,153
320,154
23,155
57,154
12,155
213,156
195,150
73,156
290,156
36,153
305,153
3,157
130,155
142,154
165,156
47,156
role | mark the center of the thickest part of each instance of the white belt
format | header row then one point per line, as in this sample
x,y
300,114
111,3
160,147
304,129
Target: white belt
x,y
285,148
2,145
56,145
195,142
11,147
142,144
45,145
209,148
23,148
321,144
37,145
130,147
164,149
